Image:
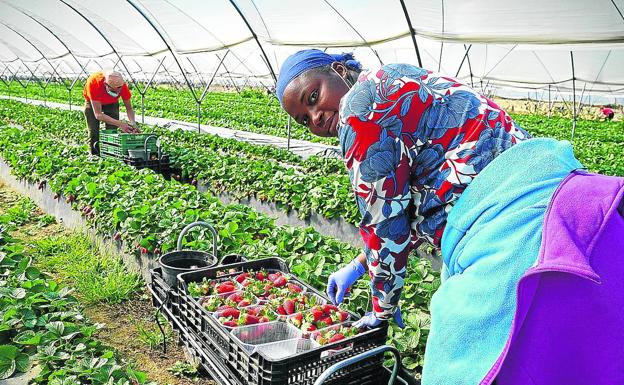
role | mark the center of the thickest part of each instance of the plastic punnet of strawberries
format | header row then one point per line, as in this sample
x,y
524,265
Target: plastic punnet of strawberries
x,y
318,317
231,317
334,334
268,285
211,287
236,299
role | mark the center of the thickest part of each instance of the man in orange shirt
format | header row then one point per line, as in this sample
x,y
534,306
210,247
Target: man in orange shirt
x,y
101,92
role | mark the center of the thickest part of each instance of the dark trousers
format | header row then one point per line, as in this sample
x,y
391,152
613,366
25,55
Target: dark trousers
x,y
93,124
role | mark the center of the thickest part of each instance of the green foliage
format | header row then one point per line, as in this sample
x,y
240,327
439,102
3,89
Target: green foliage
x,y
97,278
41,321
183,369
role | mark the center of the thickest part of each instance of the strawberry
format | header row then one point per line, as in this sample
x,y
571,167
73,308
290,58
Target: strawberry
x,y
340,316
235,297
261,276
336,337
230,312
247,319
281,311
263,319
225,287
297,319
244,302
273,276
144,250
316,315
280,281
241,277
328,308
289,306
294,288
230,324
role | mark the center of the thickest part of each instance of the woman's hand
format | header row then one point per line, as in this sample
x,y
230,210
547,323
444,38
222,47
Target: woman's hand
x,y
340,281
370,320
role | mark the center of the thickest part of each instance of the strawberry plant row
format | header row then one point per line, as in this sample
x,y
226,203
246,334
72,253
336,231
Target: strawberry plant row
x,y
148,212
250,111
305,189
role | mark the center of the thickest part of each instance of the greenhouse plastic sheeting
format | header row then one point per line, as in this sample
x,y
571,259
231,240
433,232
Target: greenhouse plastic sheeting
x,y
522,44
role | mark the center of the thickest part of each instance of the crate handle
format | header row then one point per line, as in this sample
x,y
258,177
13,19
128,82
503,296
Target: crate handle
x,y
145,145
333,352
204,224
360,357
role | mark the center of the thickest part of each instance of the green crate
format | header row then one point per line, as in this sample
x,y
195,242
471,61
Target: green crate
x,y
127,140
111,151
123,142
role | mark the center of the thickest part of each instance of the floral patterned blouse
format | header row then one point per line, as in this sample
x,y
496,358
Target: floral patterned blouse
x,y
412,141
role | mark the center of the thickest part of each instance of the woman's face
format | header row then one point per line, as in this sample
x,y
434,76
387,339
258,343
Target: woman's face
x,y
313,98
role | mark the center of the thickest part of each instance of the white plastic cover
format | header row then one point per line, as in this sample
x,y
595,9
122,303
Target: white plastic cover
x,y
526,44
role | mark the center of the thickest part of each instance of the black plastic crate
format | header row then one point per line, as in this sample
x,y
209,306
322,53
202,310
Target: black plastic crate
x,y
255,369
164,293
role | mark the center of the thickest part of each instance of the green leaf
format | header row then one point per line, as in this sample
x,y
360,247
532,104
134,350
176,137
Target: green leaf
x,y
22,362
19,293
28,337
8,352
7,368
56,327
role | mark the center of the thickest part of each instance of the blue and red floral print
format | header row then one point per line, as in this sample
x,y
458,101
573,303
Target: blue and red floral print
x,y
412,141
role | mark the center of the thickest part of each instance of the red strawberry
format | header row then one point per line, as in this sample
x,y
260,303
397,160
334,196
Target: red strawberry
x,y
263,319
317,314
229,324
341,316
230,312
336,337
273,276
289,306
225,287
247,319
144,250
241,277
294,288
280,310
280,282
325,322
236,297
329,307
260,276
297,319
244,303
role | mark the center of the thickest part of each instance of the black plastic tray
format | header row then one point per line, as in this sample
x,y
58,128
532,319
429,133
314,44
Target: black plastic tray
x,y
255,369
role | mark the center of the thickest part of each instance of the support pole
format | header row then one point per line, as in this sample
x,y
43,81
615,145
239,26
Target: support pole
x,y
144,91
199,117
549,103
413,33
288,142
573,96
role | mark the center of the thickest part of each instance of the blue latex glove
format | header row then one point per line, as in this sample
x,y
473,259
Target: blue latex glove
x,y
341,280
370,320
